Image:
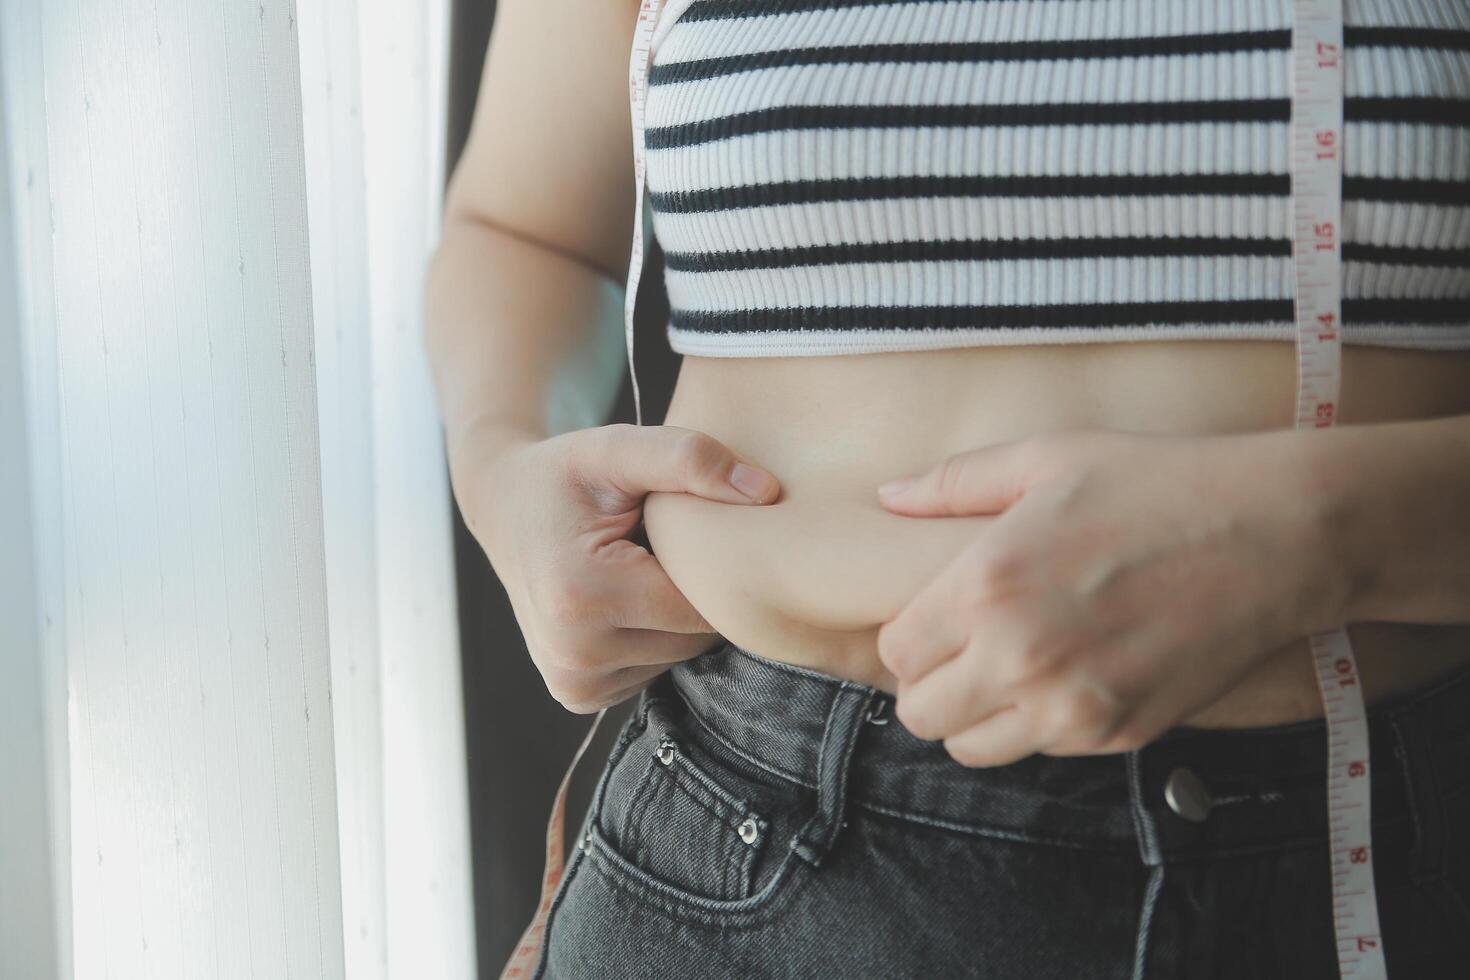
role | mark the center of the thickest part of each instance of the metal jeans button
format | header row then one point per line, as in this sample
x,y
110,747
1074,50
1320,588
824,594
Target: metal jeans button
x,y
1187,796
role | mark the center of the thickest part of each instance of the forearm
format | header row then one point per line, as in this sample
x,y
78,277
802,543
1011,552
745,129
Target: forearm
x,y
522,339
1397,498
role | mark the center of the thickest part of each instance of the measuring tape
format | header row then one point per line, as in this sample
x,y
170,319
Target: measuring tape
x,y
638,94
1317,138
523,960
1317,131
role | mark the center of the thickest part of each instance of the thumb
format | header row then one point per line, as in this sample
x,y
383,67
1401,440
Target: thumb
x,y
647,598
639,459
982,481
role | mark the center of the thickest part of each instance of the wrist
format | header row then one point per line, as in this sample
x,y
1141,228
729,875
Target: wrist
x,y
1334,484
473,452
1288,490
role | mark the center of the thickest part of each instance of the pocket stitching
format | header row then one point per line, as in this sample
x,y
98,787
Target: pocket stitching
x,y
741,860
739,808
723,814
740,856
694,909
686,775
624,866
633,826
736,858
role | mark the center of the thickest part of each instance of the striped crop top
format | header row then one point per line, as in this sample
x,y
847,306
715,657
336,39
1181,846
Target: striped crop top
x,y
848,176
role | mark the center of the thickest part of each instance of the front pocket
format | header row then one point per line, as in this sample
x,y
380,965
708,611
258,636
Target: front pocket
x,y
686,824
687,830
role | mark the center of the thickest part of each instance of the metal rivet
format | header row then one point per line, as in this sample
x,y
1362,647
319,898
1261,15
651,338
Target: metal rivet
x,y
1187,796
665,751
748,830
875,713
582,843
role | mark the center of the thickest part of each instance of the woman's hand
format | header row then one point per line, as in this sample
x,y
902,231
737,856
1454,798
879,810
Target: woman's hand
x,y
600,617
1127,581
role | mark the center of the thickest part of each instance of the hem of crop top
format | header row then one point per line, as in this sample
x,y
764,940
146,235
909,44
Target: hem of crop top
x,y
796,343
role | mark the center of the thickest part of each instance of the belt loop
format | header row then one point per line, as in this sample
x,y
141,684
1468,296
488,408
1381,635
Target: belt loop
x,y
1414,752
850,706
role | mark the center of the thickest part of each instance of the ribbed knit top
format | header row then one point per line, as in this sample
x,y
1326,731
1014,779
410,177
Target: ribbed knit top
x,y
844,176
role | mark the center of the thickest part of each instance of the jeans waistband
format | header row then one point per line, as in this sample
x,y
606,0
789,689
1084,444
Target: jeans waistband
x,y
1257,788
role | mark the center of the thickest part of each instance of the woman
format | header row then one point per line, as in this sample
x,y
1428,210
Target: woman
x,y
1050,711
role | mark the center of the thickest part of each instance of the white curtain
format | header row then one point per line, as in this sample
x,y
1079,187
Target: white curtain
x,y
231,737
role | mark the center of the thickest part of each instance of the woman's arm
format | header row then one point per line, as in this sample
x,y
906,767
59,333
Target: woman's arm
x,y
524,332
524,295
1397,500
1129,579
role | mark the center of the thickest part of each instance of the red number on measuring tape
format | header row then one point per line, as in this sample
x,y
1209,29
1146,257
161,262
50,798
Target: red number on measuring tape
x,y
1326,236
1327,139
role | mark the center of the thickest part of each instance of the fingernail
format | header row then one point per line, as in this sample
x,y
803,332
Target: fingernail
x,y
755,484
894,487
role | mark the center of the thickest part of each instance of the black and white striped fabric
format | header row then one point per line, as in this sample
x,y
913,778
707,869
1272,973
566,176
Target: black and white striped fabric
x,y
845,176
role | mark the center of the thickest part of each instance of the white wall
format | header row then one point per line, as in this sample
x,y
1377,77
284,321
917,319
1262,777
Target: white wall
x,y
234,627
202,799
34,913
426,816
374,102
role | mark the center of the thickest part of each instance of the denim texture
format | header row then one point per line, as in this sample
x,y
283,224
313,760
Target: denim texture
x,y
759,819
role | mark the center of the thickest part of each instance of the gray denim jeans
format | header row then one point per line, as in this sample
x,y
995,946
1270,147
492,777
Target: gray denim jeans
x,y
758,819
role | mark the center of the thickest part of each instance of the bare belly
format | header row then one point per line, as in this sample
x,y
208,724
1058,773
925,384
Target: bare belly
x,y
809,579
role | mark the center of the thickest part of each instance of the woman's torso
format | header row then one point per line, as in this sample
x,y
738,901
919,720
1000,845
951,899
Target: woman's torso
x,y
1081,169
809,579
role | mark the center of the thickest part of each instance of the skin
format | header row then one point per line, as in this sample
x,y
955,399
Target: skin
x,y
1098,610
1171,565
523,313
